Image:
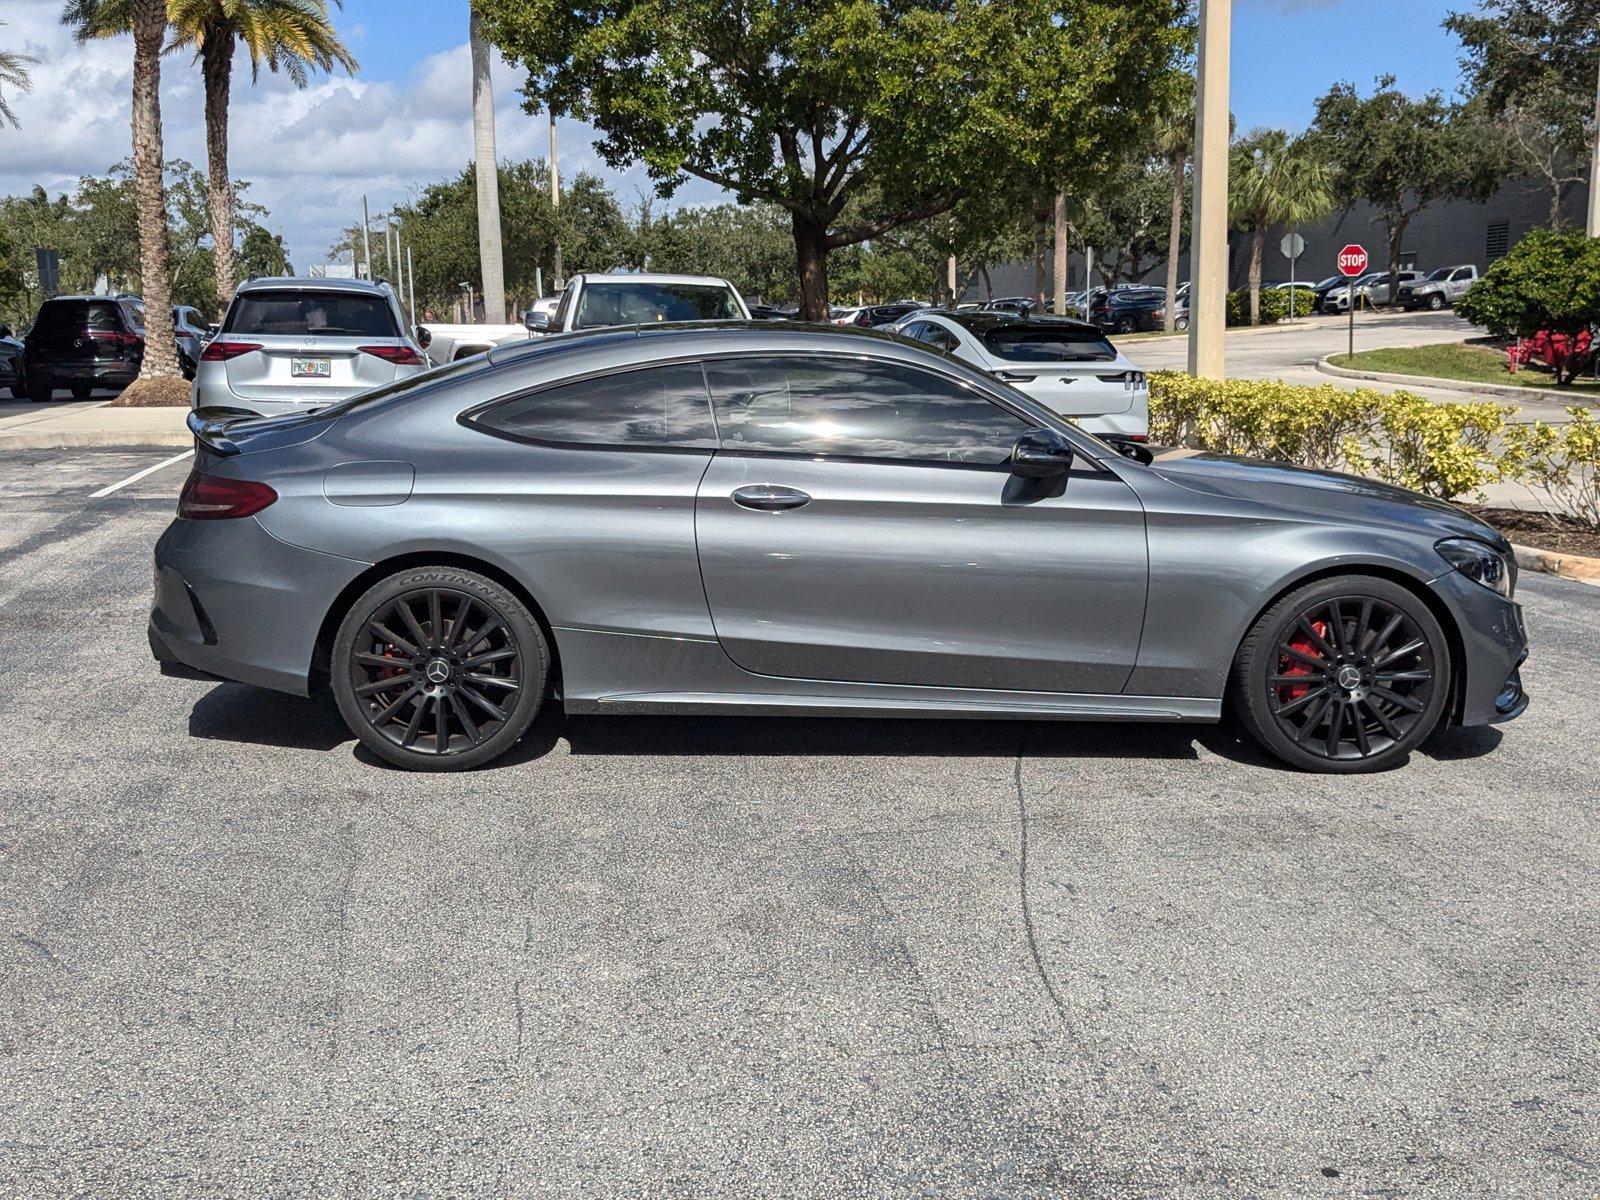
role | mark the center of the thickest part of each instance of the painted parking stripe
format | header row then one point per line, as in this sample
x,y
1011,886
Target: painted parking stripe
x,y
138,475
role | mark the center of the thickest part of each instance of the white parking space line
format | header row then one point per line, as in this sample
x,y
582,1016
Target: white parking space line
x,y
138,475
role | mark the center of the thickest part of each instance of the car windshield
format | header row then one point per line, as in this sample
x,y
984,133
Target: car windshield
x,y
1441,273
640,303
305,312
1330,281
1043,343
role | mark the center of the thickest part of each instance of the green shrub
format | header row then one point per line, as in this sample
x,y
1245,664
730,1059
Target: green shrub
x,y
1550,280
1274,306
1261,418
1441,450
1562,461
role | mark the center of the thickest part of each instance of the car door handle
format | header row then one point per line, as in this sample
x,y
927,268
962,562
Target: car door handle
x,y
769,497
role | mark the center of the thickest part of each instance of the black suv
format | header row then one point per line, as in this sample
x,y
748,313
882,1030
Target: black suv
x,y
1130,310
82,343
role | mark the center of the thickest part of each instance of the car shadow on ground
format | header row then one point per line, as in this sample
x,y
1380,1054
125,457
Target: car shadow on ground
x,y
234,712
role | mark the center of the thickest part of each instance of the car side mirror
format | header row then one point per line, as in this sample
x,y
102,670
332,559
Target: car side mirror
x,y
424,338
536,322
1041,454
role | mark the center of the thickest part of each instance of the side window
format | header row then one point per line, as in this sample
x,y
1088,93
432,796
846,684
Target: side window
x,y
943,339
918,331
857,408
661,407
1464,273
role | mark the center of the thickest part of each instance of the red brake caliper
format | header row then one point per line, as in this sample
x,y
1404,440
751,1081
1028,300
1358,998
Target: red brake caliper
x,y
1288,665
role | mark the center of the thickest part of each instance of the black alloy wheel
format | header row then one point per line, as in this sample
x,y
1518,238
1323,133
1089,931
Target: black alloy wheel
x,y
1345,675
439,669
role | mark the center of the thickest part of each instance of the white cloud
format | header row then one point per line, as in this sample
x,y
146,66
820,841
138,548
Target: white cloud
x,y
309,155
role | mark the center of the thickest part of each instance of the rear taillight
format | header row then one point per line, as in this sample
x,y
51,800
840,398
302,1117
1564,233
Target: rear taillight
x,y
401,356
216,498
220,351
115,336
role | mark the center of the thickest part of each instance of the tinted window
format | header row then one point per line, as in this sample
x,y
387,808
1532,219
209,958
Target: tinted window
x,y
320,314
1463,273
857,409
68,318
1045,343
639,303
658,406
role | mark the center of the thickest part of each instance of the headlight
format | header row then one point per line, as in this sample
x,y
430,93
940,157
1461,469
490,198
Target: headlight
x,y
1480,563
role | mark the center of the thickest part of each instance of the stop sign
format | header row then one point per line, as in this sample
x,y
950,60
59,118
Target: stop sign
x,y
1353,260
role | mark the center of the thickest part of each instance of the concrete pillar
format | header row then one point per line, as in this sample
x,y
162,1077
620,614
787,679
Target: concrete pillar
x,y
1208,237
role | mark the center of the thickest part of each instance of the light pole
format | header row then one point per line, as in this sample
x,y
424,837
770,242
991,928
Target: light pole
x,y
1208,238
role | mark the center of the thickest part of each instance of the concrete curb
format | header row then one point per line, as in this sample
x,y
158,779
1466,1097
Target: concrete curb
x,y
1507,391
1234,331
88,438
1568,566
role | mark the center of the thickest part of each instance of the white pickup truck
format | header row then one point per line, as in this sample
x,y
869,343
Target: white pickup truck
x,y
1441,289
597,302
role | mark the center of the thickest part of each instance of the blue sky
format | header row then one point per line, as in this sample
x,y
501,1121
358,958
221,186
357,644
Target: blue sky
x,y
405,119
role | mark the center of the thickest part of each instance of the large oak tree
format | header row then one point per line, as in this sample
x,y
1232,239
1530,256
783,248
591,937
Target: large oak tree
x,y
856,117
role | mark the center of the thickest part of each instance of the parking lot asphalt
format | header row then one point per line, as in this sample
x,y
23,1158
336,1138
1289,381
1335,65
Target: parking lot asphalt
x,y
763,957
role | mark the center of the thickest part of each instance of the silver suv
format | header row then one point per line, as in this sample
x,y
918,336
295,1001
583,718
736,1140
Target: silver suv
x,y
290,345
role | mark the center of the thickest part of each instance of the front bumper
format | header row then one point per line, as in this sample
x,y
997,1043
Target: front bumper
x,y
234,602
1494,644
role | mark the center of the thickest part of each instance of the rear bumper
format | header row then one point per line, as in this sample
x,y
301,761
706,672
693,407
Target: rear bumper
x,y
232,601
1494,644
98,374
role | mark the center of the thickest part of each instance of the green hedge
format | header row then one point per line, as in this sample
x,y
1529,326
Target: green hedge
x,y
1441,450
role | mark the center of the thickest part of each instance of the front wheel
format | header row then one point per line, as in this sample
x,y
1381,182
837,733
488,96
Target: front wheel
x,y
40,388
1435,302
1342,676
439,669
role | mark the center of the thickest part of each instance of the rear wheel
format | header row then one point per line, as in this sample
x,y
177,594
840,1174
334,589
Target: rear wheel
x,y
439,669
1124,325
81,391
1344,675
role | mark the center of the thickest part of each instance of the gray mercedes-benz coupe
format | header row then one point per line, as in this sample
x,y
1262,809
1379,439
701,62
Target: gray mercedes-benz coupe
x,y
783,519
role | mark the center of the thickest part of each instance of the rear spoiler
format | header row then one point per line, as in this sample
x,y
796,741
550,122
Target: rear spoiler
x,y
210,424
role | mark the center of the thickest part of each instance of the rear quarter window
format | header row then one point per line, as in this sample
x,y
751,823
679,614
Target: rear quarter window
x,y
308,313
665,407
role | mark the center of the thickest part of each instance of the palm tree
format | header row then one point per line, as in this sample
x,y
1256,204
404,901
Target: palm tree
x,y
1275,180
1175,142
292,36
14,74
147,19
491,252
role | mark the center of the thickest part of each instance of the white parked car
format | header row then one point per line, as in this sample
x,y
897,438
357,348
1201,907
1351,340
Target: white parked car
x,y
600,301
1068,366
289,345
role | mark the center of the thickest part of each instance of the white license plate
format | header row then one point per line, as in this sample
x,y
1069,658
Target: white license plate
x,y
311,368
